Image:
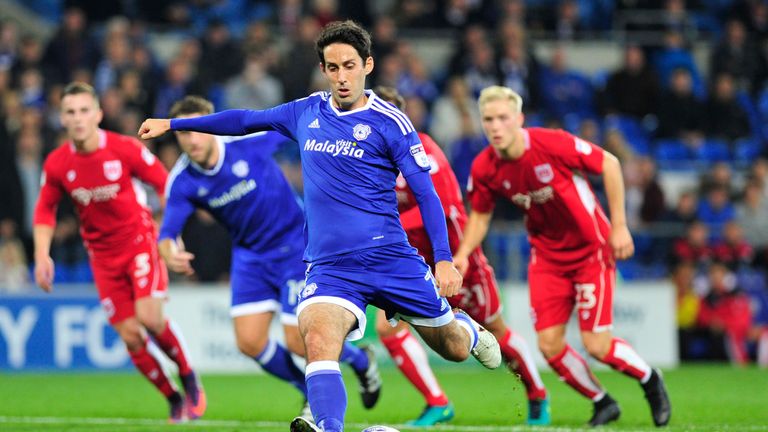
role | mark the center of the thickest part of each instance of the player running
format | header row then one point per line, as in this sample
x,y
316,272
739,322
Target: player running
x,y
97,170
573,244
244,189
352,146
478,296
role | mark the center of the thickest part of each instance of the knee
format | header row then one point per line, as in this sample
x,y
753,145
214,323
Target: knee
x,y
133,337
155,324
455,347
597,348
251,345
551,346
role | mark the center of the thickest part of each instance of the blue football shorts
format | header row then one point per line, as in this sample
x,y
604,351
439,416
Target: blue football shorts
x,y
271,284
393,278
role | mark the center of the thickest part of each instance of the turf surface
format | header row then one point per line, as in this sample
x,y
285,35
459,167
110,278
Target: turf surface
x,y
705,398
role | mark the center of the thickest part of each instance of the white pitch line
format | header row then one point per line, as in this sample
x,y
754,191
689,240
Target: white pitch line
x,y
275,424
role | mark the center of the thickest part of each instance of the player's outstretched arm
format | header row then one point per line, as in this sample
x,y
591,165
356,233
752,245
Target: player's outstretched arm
x,y
474,233
620,238
44,267
153,128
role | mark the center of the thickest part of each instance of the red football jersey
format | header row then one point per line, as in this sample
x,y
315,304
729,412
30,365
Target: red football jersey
x,y
565,221
102,184
446,186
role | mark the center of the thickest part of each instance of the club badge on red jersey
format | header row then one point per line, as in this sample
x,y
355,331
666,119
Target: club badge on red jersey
x,y
544,172
113,170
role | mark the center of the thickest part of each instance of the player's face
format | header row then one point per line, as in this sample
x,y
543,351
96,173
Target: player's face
x,y
501,124
80,116
346,72
199,146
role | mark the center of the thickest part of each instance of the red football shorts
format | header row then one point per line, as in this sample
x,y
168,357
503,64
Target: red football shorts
x,y
123,278
479,294
556,289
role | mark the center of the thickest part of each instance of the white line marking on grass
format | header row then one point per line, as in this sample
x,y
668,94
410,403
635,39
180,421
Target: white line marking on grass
x,y
279,424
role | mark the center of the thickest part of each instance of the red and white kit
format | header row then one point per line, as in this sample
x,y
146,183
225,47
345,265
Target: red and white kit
x,y
571,261
479,295
116,224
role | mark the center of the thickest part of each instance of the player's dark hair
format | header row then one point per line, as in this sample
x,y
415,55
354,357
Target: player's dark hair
x,y
391,95
346,32
191,105
78,87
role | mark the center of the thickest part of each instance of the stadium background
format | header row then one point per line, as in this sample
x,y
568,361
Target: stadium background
x,y
676,89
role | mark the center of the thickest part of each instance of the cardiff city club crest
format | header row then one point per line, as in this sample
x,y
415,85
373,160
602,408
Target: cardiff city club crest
x,y
544,172
361,131
240,168
113,170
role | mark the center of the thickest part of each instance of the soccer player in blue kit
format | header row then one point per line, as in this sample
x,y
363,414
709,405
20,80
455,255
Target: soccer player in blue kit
x,y
244,189
353,145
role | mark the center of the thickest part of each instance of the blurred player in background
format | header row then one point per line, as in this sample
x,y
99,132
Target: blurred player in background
x,y
478,296
573,244
98,170
244,189
352,146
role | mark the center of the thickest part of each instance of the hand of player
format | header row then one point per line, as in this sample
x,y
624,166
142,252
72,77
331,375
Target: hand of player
x,y
621,242
461,263
44,272
152,128
180,261
448,278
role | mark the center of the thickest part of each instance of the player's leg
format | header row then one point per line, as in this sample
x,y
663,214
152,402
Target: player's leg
x,y
324,326
552,298
479,297
149,278
409,356
594,286
257,293
117,300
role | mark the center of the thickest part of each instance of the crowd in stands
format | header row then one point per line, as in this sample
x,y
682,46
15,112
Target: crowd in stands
x,y
659,111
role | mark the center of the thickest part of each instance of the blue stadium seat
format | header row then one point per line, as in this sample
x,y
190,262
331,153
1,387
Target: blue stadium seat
x,y
713,151
671,150
633,130
746,150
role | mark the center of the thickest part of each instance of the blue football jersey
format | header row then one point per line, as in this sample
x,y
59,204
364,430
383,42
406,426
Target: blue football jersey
x,y
350,161
246,192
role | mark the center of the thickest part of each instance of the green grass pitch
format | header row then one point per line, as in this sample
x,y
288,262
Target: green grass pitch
x,y
705,398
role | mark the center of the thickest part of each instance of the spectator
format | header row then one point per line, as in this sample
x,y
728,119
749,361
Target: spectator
x,y
716,209
694,247
733,250
724,116
416,81
615,143
735,55
644,196
447,126
726,313
300,58
752,216
567,25
564,91
117,58
14,273
221,57
688,304
673,56
71,48
634,89
254,88
30,56
177,84
681,115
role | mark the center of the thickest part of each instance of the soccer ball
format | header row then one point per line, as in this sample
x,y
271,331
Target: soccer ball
x,y
380,428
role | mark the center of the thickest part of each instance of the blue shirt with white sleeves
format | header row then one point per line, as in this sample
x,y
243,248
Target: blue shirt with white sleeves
x,y
350,161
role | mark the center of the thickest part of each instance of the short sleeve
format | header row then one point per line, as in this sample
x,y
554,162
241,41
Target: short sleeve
x,y
579,154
